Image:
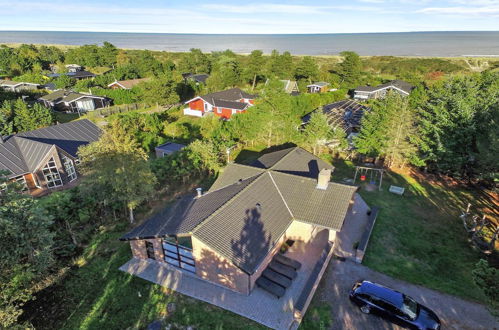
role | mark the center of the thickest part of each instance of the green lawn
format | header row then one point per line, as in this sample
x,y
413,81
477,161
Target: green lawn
x,y
63,117
419,237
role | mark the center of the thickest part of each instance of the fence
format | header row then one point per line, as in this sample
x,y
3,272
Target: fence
x,y
108,111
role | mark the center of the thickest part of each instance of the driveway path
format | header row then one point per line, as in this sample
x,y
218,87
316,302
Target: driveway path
x,y
454,313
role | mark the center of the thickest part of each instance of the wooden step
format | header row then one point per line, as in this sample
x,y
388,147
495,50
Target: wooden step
x,y
277,278
282,269
287,261
270,287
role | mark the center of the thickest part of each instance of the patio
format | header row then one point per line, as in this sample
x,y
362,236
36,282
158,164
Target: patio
x,y
260,305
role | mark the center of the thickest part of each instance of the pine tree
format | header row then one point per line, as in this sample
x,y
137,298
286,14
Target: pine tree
x,y
387,130
350,69
317,132
307,69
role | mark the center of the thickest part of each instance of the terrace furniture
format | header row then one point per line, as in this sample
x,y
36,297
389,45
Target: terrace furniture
x,y
277,278
287,261
270,287
396,190
282,269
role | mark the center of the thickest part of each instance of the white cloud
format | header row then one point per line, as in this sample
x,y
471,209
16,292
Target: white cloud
x,y
492,11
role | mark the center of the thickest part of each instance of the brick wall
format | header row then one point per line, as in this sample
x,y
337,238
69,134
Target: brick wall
x,y
139,249
215,268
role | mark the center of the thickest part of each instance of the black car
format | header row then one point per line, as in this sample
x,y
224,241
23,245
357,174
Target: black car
x,y
393,305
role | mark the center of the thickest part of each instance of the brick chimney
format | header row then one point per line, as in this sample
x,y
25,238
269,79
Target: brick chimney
x,y
323,179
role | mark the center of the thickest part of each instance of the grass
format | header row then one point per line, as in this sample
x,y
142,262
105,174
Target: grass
x,y
63,117
419,237
318,317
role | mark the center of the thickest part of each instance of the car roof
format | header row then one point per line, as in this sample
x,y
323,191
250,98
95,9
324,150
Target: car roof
x,y
394,297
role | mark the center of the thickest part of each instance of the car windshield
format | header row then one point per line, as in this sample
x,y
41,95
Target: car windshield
x,y
410,307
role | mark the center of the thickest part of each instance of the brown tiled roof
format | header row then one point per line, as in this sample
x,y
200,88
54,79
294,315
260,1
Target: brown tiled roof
x,y
183,216
293,160
233,173
249,209
247,228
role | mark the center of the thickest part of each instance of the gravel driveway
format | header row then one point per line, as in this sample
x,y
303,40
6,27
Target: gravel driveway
x,y
454,313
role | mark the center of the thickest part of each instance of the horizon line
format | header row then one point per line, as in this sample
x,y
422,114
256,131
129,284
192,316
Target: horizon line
x,y
311,33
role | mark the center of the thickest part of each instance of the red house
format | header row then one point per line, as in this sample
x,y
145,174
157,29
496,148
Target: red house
x,y
223,104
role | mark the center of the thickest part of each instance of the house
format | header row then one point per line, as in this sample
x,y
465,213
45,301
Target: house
x,y
223,104
198,78
44,159
346,114
126,84
234,235
17,87
318,87
73,67
69,101
75,71
377,92
168,149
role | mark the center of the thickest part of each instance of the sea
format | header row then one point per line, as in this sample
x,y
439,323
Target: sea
x,y
435,44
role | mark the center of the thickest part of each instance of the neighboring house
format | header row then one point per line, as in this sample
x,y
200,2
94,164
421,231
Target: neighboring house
x,y
231,236
223,104
168,149
126,84
377,92
198,78
74,67
69,101
318,87
16,86
75,74
45,158
346,114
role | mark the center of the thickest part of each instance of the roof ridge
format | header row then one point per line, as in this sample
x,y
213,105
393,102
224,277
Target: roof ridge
x,y
21,154
227,201
280,194
252,167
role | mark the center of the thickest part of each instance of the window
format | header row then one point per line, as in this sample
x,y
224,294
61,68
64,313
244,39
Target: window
x,y
178,253
70,168
51,173
409,308
150,250
219,110
85,104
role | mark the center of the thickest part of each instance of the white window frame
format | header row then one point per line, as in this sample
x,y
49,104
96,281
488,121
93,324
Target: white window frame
x,y
51,174
70,168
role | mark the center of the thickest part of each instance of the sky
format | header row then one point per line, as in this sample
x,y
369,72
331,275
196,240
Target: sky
x,y
250,17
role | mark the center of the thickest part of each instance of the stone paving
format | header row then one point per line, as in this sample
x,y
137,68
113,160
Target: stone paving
x,y
352,230
259,306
